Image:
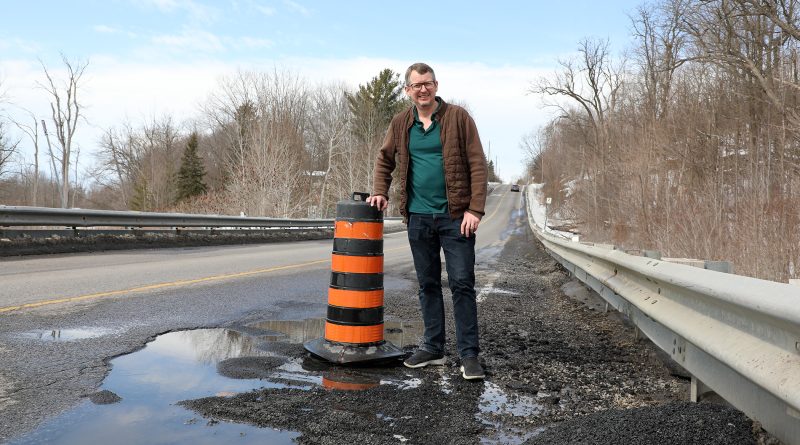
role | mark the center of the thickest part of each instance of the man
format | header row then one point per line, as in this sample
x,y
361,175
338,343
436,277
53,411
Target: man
x,y
442,189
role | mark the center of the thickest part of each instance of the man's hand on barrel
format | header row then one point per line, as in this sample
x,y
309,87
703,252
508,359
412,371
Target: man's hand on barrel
x,y
378,201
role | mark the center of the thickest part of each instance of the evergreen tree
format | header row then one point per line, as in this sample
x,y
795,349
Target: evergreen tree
x,y
492,176
141,199
374,104
191,173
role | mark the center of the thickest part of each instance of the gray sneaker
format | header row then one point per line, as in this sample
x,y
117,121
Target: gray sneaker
x,y
422,358
471,369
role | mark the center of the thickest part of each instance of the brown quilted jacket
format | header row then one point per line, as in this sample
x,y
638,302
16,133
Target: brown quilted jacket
x,y
464,162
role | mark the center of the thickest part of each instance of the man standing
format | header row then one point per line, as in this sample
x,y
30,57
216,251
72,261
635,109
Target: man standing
x,y
442,172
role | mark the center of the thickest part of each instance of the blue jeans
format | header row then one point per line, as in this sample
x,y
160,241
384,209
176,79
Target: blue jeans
x,y
428,234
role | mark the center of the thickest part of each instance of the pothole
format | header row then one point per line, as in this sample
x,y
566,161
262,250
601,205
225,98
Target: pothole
x,y
137,402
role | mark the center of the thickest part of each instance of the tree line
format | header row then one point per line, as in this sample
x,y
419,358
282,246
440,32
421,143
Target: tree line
x,y
691,143
265,144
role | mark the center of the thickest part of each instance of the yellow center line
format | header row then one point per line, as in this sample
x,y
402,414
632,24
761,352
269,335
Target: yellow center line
x,y
168,284
497,207
158,286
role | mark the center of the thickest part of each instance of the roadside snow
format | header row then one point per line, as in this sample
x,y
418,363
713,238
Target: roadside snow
x,y
537,212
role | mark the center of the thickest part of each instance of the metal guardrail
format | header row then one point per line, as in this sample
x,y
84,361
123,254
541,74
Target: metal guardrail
x,y
16,216
737,336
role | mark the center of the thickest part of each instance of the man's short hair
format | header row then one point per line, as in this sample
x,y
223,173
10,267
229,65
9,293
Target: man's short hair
x,y
422,68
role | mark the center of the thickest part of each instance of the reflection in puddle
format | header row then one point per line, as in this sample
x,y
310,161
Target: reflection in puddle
x,y
67,334
141,391
399,333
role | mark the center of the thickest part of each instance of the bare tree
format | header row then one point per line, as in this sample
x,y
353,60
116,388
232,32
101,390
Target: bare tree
x,y
659,50
329,139
65,113
119,161
7,149
703,139
593,83
262,117
31,130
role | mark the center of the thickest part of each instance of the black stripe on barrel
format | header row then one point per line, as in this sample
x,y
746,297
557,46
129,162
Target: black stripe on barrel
x,y
361,247
357,281
355,317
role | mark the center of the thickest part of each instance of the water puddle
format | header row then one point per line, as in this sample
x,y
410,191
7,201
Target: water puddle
x,y
495,402
137,401
67,334
173,367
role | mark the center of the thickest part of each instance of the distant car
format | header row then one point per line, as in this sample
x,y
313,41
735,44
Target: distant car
x,y
514,187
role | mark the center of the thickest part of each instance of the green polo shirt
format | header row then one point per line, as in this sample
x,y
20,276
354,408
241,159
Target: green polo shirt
x,y
426,188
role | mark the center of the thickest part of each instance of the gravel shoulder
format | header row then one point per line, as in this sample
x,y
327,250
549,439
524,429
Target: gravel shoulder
x,y
560,371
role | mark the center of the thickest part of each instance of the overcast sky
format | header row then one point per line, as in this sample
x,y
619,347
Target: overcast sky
x,y
153,57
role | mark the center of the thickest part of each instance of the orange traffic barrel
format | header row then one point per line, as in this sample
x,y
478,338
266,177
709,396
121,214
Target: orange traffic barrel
x,y
354,323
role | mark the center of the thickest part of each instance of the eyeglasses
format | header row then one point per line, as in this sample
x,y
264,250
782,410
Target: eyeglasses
x,y
418,86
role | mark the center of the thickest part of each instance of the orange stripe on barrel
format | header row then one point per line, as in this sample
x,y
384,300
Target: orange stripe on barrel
x,y
358,230
360,299
356,264
353,334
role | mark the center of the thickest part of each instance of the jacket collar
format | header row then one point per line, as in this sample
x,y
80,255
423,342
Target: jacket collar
x,y
411,113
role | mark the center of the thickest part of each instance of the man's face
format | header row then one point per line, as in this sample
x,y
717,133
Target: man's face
x,y
421,89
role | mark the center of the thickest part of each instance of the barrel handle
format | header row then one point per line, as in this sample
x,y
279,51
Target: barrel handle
x,y
360,196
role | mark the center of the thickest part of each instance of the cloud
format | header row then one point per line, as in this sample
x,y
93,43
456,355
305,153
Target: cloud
x,y
15,43
297,7
104,29
191,40
117,90
196,11
252,43
497,96
266,10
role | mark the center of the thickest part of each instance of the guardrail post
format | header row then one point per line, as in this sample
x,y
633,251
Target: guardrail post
x,y
699,390
719,266
654,254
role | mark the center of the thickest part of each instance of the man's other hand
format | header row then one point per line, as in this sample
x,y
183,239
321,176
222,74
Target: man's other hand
x,y
378,201
469,224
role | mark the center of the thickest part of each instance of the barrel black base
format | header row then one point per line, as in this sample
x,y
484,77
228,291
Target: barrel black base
x,y
344,354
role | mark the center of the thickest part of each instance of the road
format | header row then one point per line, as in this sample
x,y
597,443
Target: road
x,y
108,304
56,279
69,323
